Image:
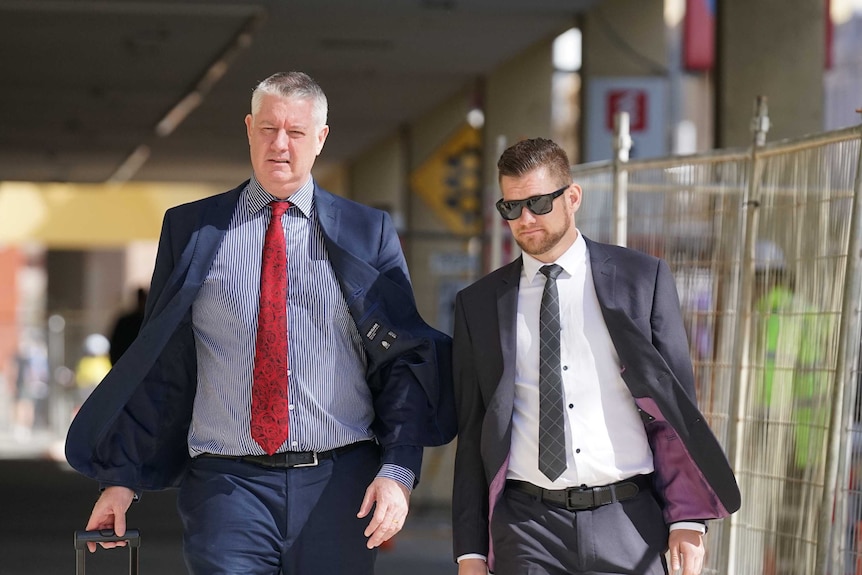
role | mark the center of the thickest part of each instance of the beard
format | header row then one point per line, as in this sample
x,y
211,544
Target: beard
x,y
538,244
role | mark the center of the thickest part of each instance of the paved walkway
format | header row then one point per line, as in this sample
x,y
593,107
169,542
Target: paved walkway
x,y
42,502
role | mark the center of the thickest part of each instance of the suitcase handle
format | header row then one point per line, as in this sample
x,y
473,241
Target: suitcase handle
x,y
133,536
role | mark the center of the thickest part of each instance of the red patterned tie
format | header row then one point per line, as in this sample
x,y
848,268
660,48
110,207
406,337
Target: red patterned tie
x,y
269,413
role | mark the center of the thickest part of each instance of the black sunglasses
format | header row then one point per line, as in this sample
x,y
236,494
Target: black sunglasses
x,y
539,205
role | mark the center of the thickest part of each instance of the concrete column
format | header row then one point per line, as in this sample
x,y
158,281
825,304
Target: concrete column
x,y
773,48
624,38
518,98
518,105
377,178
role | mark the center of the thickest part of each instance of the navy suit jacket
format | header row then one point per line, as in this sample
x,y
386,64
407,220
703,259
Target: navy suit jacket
x,y
132,430
640,306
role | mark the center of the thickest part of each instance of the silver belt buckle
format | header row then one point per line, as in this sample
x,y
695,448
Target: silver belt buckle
x,y
314,462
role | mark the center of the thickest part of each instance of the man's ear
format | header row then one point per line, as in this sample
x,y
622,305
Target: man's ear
x,y
573,196
321,138
249,122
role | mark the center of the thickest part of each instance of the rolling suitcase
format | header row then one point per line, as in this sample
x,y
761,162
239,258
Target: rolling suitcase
x,y
133,536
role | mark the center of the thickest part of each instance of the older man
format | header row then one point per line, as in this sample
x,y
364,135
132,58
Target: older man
x,y
283,378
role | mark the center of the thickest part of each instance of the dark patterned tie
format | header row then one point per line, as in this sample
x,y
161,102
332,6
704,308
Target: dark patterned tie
x,y
269,415
552,438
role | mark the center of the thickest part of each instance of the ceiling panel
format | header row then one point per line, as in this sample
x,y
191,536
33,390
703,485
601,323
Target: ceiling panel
x,y
83,84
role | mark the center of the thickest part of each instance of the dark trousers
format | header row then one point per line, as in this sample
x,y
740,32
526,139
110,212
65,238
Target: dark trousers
x,y
533,538
242,518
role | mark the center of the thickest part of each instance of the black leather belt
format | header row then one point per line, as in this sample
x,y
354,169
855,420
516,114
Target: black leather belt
x,y
290,459
582,498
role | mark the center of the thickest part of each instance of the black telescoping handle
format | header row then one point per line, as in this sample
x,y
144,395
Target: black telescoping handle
x,y
132,536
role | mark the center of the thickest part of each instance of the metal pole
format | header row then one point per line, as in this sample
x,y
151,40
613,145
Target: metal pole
x,y
622,145
845,372
743,283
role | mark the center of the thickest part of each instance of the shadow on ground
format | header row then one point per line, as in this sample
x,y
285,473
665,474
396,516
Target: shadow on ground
x,y
42,503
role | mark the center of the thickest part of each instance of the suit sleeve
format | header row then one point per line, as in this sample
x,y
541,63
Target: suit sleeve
x,y
412,391
668,329
130,419
694,480
470,489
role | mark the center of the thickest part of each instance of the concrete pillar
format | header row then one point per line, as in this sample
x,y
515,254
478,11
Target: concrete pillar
x,y
518,105
626,42
773,48
377,178
624,38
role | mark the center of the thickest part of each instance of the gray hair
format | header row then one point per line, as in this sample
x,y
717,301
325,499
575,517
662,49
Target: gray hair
x,y
292,85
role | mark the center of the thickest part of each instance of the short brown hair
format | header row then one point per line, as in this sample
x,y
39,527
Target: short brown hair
x,y
528,155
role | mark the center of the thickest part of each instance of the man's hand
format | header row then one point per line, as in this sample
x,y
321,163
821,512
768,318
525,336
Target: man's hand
x,y
689,544
110,513
472,567
390,500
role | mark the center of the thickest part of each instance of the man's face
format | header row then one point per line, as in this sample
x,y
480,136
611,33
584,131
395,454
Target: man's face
x,y
284,141
548,236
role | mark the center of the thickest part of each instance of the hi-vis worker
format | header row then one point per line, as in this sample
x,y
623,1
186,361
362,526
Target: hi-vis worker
x,y
790,396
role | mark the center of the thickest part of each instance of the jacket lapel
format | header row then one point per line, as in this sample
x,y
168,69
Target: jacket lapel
x,y
501,405
604,275
328,214
354,275
204,240
507,309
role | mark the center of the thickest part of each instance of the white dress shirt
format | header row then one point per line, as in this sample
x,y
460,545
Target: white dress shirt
x,y
605,436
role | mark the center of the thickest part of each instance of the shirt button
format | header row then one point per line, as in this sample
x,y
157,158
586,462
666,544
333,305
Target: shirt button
x,y
291,407
577,450
288,372
571,406
294,443
565,368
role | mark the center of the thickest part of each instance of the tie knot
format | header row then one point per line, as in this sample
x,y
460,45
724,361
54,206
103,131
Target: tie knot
x,y
279,207
551,271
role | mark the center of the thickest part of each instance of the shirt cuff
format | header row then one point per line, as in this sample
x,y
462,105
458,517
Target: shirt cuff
x,y
692,525
472,556
135,497
400,474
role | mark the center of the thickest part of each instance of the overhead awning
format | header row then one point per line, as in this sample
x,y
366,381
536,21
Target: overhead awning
x,y
89,215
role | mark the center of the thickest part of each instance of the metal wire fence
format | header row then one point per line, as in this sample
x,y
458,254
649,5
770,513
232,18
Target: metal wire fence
x,y
764,244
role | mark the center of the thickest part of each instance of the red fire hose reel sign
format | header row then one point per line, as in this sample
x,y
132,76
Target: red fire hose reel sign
x,y
632,101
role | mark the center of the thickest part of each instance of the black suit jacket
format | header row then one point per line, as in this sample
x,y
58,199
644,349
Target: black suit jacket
x,y
132,430
641,309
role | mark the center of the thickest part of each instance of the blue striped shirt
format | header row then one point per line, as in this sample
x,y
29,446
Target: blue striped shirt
x,y
329,400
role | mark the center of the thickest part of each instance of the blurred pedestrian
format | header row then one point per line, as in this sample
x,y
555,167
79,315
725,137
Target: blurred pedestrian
x,y
31,383
93,366
127,326
791,399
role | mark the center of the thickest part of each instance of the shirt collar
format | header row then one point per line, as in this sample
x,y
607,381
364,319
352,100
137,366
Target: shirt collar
x,y
257,198
571,259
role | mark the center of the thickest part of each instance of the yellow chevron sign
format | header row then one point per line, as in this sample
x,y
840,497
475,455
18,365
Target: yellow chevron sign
x,y
450,181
